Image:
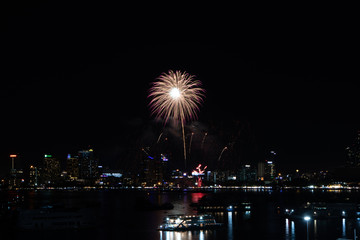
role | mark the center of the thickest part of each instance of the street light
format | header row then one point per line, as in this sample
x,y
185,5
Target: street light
x,y
307,219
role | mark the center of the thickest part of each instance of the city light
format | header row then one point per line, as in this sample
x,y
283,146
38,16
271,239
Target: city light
x,y
13,155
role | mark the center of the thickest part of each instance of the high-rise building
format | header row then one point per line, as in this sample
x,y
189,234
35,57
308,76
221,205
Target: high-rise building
x,y
353,153
51,169
13,169
88,165
72,166
270,172
16,175
13,177
247,174
154,170
269,167
34,176
261,171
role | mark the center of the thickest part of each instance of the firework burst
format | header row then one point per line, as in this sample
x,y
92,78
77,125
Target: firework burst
x,y
176,95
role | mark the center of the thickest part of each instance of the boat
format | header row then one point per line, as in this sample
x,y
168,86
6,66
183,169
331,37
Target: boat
x,y
55,218
188,222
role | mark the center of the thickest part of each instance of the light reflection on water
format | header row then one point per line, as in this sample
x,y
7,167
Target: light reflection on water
x,y
318,228
292,230
230,225
289,229
118,218
173,235
237,222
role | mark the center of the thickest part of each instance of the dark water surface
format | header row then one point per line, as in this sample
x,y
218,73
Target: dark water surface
x,y
118,215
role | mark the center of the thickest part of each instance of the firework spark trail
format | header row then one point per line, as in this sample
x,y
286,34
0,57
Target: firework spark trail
x,y
176,95
159,137
145,151
225,148
203,140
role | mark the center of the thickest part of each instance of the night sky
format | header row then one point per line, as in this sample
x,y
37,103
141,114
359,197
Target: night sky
x,y
74,76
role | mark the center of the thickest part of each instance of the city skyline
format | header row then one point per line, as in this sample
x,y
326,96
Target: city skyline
x,y
65,88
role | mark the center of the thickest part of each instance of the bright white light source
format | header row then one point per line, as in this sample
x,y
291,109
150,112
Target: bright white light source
x,y
306,218
175,93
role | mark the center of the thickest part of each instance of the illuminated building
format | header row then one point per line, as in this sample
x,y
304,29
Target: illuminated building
x,y
51,169
13,170
261,171
16,176
353,153
247,174
220,177
270,172
12,180
72,167
34,176
111,177
266,170
154,170
88,165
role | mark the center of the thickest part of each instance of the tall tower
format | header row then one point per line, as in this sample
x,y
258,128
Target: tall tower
x,y
13,170
13,175
270,171
72,166
353,153
51,169
33,176
88,166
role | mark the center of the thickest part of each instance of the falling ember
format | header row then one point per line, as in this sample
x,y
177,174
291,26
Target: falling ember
x,y
176,95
